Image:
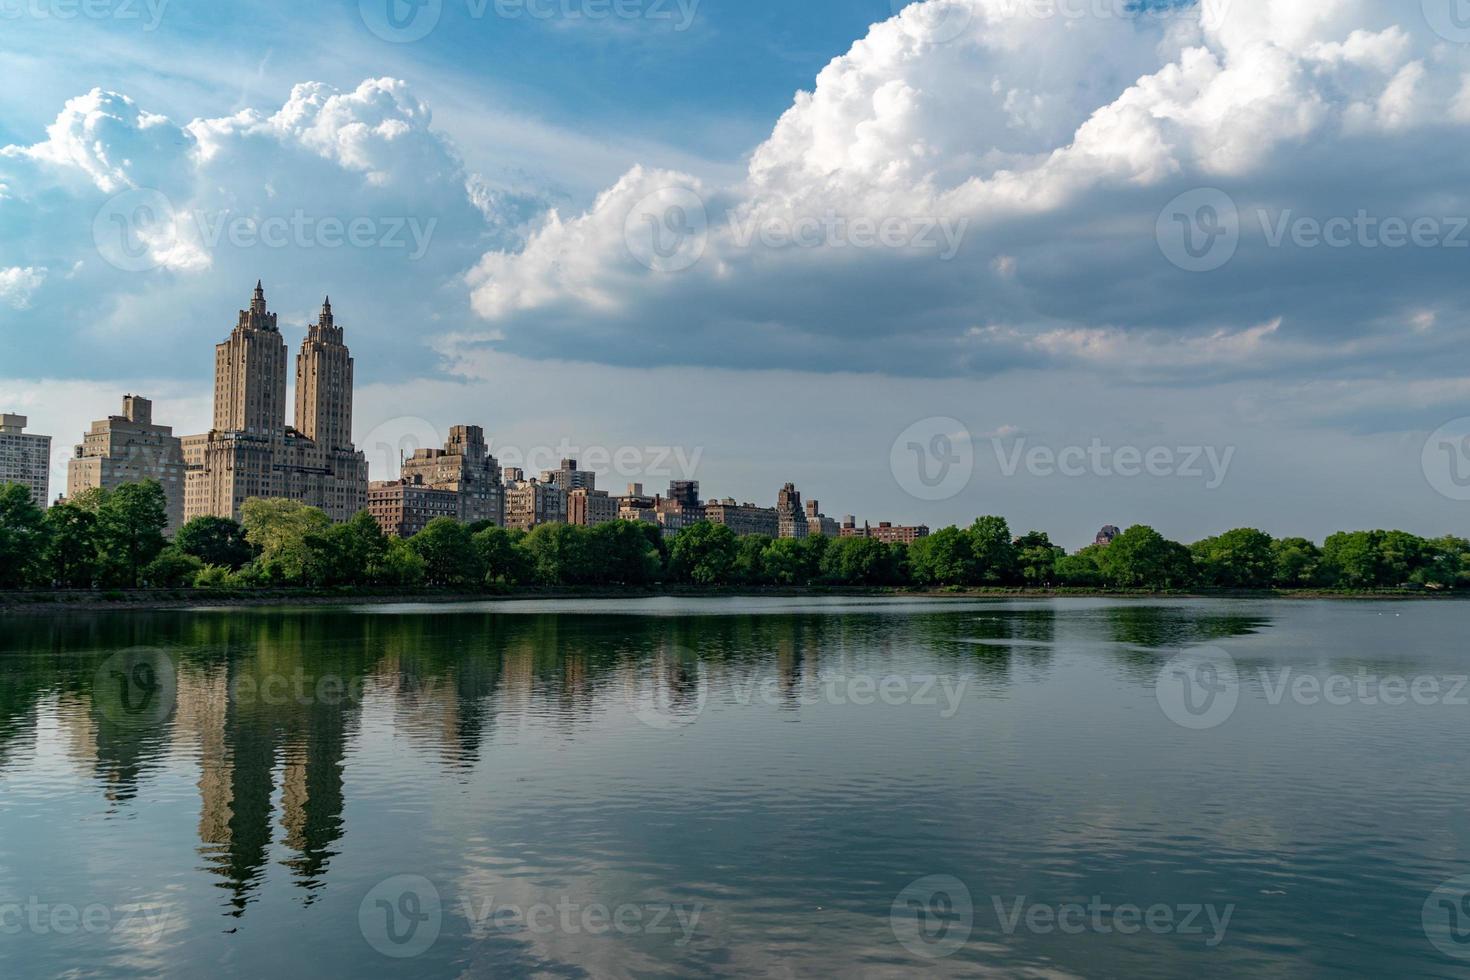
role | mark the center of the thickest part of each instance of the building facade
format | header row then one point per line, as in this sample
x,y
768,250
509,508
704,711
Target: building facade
x,y
250,451
25,458
744,518
466,467
403,508
531,502
886,532
569,478
130,448
790,518
591,507
819,525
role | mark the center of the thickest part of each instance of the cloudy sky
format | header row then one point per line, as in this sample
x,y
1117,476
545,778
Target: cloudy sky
x,y
1071,261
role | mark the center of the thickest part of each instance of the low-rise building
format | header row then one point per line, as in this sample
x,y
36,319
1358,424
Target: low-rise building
x,y
403,508
746,518
819,525
591,507
130,448
886,532
25,458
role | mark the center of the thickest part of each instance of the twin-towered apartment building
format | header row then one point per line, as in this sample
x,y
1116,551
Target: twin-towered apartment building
x,y
251,452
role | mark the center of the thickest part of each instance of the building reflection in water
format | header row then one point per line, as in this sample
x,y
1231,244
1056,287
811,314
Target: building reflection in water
x,y
269,705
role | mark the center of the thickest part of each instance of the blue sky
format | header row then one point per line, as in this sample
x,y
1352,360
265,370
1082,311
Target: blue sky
x,y
782,239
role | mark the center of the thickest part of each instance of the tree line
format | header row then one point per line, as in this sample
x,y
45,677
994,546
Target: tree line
x,y
115,539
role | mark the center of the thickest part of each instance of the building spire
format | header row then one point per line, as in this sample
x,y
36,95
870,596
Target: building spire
x,y
325,320
257,302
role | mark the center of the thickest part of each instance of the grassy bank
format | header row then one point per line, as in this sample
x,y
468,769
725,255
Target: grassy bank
x,y
58,600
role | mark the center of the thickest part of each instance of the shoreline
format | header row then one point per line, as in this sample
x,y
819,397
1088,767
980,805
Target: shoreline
x,y
180,599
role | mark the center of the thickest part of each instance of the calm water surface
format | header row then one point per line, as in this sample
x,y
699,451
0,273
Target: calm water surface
x,y
738,786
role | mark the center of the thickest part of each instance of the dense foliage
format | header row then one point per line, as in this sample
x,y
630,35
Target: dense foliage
x,y
116,540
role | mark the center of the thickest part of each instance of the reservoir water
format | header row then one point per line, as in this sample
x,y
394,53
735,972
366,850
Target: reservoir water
x,y
738,786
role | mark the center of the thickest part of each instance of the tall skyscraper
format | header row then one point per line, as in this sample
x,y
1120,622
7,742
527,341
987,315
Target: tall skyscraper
x,y
324,384
251,452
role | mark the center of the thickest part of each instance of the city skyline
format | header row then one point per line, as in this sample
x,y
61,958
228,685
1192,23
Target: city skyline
x,y
502,276
251,452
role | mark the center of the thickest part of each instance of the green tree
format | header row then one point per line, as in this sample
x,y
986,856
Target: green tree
x,y
561,554
1081,570
1296,563
449,554
1240,559
995,554
22,535
1036,558
350,553
171,569
1401,556
749,567
503,555
783,563
282,531
1352,560
215,541
1142,558
402,565
1446,563
860,561
946,557
623,554
704,554
130,523
215,577
70,556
